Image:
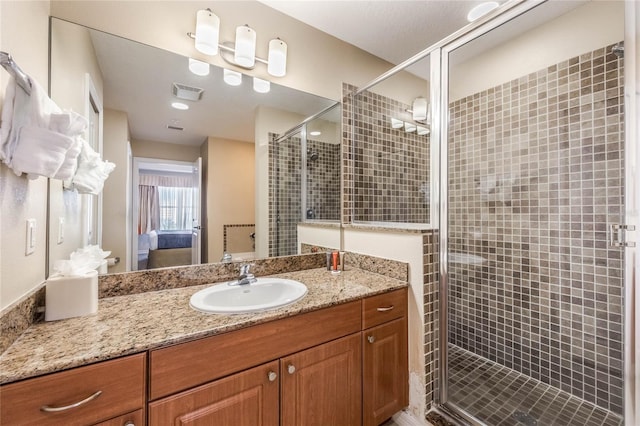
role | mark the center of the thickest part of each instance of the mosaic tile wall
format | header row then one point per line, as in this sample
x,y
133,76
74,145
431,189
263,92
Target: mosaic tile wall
x,y
389,179
323,181
431,312
285,208
536,176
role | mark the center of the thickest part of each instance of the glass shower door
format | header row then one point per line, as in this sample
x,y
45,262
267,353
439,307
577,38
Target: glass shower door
x,y
535,159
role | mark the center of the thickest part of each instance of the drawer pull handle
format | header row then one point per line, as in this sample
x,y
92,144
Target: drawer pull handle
x,y
272,376
371,339
291,369
90,398
385,308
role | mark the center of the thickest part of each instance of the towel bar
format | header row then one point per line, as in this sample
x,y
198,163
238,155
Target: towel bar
x,y
12,68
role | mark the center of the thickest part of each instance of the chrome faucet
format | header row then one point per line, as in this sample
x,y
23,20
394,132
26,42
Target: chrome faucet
x,y
226,258
245,276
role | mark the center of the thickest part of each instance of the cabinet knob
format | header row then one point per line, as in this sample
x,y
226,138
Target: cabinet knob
x,y
291,369
371,339
129,423
272,376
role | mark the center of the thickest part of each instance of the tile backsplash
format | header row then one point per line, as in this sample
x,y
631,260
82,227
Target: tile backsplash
x,y
536,176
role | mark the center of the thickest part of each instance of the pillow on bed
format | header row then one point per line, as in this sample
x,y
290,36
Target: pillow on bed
x,y
169,257
153,240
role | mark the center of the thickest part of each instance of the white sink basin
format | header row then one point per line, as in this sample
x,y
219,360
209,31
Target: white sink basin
x,y
263,295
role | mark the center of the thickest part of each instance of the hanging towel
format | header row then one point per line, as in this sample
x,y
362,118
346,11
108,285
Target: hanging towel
x,y
92,171
36,136
40,152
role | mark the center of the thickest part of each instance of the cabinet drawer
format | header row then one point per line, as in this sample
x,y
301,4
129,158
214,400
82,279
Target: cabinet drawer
x,y
121,383
384,307
183,366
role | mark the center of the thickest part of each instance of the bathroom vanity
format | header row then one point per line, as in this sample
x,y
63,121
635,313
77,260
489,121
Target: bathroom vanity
x,y
337,357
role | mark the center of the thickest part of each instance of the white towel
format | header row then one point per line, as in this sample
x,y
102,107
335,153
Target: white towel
x,y
39,151
70,163
92,171
68,123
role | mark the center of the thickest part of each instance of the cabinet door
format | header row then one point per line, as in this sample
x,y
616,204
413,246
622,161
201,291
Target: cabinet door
x,y
323,385
385,370
249,398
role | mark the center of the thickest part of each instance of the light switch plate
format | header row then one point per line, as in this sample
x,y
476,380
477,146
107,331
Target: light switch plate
x,y
60,230
30,237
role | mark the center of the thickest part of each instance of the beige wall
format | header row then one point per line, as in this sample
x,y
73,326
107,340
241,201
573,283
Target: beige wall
x,y
72,57
586,28
230,190
317,63
24,34
204,235
116,202
164,151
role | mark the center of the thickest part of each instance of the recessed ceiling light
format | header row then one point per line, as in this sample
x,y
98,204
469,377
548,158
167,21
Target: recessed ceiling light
x,y
480,10
180,106
315,133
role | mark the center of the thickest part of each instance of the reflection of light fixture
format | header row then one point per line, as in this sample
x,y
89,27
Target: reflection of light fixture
x,y
397,124
423,130
207,32
315,133
260,85
232,78
207,41
480,10
180,106
409,127
419,109
198,67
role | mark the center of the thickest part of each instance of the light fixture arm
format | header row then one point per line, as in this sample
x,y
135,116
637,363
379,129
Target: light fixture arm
x,y
227,52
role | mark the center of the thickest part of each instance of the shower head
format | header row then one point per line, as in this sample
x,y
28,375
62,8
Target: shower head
x,y
312,154
618,50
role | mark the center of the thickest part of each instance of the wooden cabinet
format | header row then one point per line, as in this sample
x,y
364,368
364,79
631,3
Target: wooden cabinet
x,y
249,398
80,396
135,418
385,357
323,385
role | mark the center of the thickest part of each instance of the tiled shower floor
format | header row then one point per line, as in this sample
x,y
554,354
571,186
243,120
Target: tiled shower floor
x,y
498,395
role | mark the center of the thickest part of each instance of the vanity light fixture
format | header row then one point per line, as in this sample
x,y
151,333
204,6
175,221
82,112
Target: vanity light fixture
x,y
242,53
260,85
480,10
179,105
198,67
232,78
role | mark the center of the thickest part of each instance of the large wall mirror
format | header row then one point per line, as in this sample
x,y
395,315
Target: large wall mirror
x,y
202,169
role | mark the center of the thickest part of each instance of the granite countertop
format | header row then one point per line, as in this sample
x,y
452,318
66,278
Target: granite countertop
x,y
135,323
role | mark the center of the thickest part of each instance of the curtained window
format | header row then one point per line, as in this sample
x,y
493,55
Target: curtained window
x,y
166,203
177,210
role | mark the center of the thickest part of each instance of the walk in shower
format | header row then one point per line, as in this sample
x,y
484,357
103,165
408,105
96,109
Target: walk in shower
x,y
532,286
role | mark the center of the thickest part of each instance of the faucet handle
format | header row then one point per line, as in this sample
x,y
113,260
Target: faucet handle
x,y
244,269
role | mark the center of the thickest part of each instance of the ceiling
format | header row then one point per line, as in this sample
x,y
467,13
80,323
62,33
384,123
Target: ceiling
x,y
393,30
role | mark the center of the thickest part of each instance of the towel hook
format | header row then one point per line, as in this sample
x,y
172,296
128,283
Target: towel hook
x,y
12,68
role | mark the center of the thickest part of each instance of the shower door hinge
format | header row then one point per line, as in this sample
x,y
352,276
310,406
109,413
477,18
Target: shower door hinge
x,y
618,236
